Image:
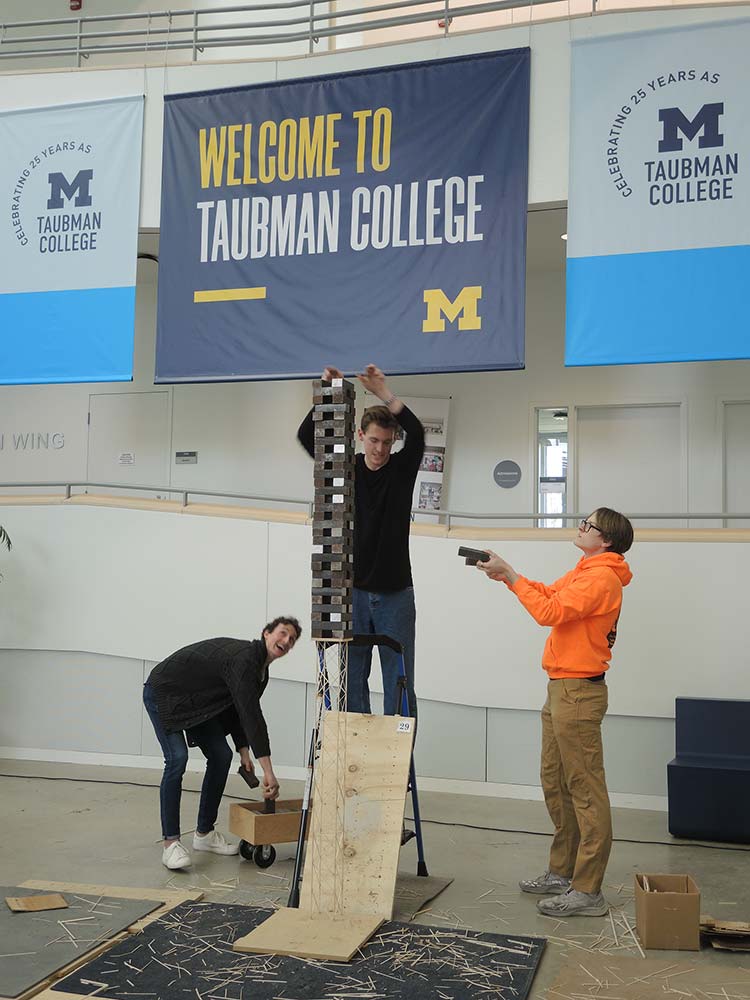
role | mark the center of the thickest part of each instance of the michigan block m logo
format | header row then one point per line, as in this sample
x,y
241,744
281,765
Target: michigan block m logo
x,y
463,308
79,186
674,121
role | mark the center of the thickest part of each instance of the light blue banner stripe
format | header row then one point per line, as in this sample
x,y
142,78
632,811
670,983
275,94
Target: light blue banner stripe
x,y
669,306
68,336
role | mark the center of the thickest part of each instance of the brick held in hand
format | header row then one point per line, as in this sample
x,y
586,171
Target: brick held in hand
x,y
248,777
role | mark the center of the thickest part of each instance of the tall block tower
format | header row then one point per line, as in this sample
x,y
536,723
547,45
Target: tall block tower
x,y
333,510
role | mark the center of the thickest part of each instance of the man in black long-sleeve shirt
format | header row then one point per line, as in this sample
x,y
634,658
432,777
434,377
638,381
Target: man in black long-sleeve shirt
x,y
209,689
383,600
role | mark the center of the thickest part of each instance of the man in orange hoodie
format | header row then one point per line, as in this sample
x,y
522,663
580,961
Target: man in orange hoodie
x,y
582,608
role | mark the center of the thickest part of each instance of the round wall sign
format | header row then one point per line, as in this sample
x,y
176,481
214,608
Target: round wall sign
x,y
507,474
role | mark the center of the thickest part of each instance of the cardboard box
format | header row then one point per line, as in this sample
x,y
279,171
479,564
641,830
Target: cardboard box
x,y
249,821
668,912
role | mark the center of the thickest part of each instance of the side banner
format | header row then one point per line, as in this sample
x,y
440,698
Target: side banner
x,y
373,215
70,177
659,204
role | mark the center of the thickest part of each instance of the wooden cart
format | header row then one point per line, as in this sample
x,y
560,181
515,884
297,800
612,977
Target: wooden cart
x,y
259,831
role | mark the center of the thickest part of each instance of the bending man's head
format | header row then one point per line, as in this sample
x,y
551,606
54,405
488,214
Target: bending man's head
x,y
280,636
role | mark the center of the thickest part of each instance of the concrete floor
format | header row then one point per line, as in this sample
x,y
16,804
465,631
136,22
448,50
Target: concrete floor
x,y
71,823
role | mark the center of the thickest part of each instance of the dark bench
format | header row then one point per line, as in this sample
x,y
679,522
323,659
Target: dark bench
x,y
708,781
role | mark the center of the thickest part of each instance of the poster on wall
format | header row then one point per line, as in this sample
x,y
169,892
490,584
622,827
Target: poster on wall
x,y
659,201
70,176
309,219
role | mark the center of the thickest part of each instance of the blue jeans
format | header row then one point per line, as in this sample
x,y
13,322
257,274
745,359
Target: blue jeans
x,y
212,740
394,615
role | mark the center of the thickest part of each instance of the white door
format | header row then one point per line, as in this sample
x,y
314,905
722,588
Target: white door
x,y
129,438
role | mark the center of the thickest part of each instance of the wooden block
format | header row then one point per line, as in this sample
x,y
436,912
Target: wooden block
x,y
323,936
334,484
329,489
331,465
336,535
252,823
330,613
322,634
331,415
339,503
332,435
332,602
340,512
325,398
336,564
323,409
341,546
32,904
333,542
325,589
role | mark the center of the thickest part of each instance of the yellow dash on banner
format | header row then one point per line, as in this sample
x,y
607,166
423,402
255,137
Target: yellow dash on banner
x,y
229,294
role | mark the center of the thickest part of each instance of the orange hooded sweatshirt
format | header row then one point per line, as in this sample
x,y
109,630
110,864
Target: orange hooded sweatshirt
x,y
582,607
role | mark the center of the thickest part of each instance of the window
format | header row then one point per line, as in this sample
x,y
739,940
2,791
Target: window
x,y
552,465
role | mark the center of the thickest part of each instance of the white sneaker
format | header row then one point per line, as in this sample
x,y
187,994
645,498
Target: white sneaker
x,y
214,842
175,856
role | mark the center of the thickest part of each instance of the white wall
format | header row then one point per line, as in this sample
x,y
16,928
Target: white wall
x,y
138,584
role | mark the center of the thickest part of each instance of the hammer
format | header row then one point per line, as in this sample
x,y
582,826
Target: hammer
x,y
250,779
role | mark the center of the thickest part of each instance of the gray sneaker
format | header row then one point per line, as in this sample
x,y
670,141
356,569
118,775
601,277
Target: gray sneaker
x,y
548,884
574,904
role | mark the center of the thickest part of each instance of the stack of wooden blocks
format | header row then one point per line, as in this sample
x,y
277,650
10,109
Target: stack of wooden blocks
x,y
333,510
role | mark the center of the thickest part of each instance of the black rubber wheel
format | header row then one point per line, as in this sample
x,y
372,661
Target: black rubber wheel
x,y
264,855
246,850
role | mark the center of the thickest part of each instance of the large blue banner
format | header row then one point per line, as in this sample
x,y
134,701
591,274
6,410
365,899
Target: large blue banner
x,y
336,220
70,177
659,204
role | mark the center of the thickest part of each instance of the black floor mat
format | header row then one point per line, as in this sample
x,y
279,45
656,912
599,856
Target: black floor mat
x,y
189,952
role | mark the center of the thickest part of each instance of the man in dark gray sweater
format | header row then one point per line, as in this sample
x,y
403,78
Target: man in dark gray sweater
x,y
204,692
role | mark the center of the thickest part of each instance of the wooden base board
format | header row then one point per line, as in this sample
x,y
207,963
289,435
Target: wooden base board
x,y
306,935
352,856
169,898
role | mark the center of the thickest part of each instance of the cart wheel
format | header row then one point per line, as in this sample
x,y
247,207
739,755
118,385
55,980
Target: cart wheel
x,y
264,856
246,850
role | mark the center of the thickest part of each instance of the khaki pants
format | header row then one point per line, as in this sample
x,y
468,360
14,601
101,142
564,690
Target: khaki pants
x,y
575,789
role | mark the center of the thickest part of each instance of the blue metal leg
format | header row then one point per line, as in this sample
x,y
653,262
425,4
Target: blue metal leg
x,y
421,863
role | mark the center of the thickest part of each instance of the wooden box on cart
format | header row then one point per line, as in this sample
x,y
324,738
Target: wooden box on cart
x,y
249,821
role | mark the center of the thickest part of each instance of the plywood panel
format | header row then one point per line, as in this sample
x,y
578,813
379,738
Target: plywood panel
x,y
364,796
323,936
